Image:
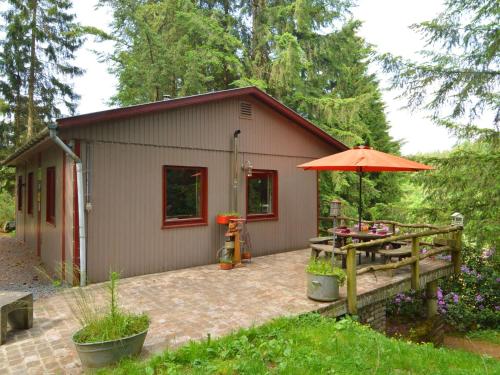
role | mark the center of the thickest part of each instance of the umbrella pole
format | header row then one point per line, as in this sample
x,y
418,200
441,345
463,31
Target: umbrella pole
x,y
360,206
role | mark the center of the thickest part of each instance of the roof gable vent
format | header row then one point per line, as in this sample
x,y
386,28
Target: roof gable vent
x,y
245,110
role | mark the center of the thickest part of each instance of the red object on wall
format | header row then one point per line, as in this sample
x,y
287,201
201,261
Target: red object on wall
x,y
39,208
63,218
30,193
50,201
20,193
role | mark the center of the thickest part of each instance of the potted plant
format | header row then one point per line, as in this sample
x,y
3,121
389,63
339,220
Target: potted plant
x,y
324,280
107,337
224,217
226,264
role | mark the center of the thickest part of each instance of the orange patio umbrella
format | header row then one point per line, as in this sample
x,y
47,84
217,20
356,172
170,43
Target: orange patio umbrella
x,y
364,159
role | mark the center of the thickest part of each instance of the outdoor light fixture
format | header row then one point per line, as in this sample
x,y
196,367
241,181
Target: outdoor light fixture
x,y
457,219
248,167
335,208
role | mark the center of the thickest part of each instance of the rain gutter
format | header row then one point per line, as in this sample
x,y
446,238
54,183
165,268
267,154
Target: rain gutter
x,y
79,187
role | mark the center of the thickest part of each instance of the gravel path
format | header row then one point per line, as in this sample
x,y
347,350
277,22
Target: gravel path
x,y
18,269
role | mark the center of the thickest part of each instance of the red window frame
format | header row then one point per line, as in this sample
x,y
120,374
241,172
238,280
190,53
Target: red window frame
x,y
177,223
20,193
50,202
30,193
259,173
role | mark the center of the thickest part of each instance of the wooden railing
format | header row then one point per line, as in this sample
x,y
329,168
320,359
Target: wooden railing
x,y
452,242
393,224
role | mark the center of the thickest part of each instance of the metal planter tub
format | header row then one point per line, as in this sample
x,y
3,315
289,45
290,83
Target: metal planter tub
x,y
101,354
322,288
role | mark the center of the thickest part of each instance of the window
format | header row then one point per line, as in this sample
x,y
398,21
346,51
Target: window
x,y
262,195
30,193
184,196
20,193
50,209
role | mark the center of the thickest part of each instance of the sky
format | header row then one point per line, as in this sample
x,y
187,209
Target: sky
x,y
385,25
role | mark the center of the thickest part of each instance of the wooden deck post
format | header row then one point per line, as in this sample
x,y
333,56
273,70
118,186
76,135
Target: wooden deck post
x,y
415,267
456,254
352,302
431,298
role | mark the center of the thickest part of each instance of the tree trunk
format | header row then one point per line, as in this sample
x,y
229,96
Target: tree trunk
x,y
31,78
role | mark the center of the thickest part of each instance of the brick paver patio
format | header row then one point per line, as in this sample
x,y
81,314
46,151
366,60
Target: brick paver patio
x,y
183,305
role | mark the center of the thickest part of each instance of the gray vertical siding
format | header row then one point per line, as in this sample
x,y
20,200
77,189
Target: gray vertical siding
x,y
51,235
125,221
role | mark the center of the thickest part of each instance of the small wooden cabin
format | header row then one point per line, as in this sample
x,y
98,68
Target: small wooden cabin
x,y
157,174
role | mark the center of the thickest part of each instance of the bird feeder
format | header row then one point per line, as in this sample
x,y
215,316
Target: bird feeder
x,y
457,219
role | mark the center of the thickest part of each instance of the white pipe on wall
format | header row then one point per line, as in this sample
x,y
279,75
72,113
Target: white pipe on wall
x,y
81,213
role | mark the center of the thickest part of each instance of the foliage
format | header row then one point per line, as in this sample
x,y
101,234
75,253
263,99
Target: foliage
x,y
462,73
7,207
304,53
471,300
324,267
408,305
309,344
458,82
468,301
99,326
40,42
463,182
112,327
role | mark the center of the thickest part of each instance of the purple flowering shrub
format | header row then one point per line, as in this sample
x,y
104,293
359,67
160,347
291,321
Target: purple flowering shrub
x,y
471,300
408,305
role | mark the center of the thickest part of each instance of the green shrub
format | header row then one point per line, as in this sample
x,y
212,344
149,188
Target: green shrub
x,y
408,305
7,207
471,299
114,324
324,267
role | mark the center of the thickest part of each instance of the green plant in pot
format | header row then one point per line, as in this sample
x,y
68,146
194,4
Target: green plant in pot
x,y
324,280
110,335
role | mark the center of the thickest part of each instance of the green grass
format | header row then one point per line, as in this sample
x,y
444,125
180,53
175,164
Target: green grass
x,y
310,344
111,327
488,335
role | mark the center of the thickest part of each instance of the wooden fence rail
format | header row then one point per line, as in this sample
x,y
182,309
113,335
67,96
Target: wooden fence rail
x,y
453,244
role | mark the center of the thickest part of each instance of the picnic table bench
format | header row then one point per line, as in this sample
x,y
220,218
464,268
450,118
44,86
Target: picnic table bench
x,y
402,252
317,249
17,309
320,240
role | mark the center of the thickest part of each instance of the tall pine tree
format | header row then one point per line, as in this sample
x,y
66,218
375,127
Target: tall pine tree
x,y
41,38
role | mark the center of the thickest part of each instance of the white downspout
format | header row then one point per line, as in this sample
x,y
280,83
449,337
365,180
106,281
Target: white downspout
x,y
81,212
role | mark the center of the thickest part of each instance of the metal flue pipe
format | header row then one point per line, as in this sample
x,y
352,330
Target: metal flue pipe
x,y
79,187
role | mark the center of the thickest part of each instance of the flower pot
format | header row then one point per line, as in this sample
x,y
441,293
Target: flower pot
x,y
224,219
101,354
246,255
322,288
226,266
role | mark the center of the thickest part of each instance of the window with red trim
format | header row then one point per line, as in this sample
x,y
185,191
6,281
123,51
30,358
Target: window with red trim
x,y
262,195
20,193
184,196
30,193
50,209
